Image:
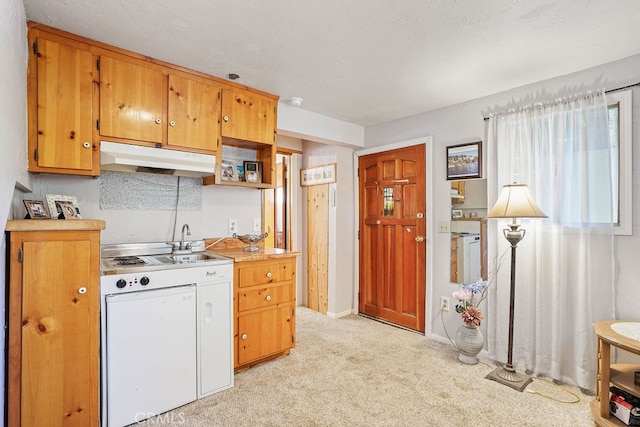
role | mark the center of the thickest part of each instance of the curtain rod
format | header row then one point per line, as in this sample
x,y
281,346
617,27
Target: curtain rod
x,y
606,91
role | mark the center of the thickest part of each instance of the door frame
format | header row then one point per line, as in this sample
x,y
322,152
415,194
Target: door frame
x,y
429,226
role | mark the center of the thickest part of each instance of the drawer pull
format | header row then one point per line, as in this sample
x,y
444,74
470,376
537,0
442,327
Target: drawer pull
x,y
244,336
268,298
269,275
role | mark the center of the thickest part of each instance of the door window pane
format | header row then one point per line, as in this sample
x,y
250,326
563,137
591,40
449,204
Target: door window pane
x,y
388,201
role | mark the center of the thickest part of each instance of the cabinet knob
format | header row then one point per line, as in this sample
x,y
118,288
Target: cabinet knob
x,y
86,144
158,121
269,275
82,290
244,336
172,123
268,298
419,239
225,118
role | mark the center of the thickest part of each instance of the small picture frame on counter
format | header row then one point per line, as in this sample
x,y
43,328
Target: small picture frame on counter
x,y
63,207
456,213
36,209
252,171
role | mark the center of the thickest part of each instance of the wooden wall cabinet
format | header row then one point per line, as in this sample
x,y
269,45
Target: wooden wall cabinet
x,y
141,102
60,87
54,324
264,307
457,192
248,116
82,91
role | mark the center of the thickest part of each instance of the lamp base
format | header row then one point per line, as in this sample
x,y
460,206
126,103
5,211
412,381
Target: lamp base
x,y
509,377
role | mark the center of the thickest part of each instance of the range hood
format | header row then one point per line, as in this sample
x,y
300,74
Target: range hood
x,y
134,158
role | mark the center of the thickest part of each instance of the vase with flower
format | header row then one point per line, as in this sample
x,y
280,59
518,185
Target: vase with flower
x,y
469,340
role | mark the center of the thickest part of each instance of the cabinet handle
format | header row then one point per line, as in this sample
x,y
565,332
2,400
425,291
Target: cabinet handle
x,y
172,123
268,298
269,275
225,118
158,121
244,336
82,290
86,144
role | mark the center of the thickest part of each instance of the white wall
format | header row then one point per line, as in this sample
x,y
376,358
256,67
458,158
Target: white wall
x,y
342,262
13,124
464,123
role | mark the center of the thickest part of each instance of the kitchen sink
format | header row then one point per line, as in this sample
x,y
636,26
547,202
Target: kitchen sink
x,y
198,257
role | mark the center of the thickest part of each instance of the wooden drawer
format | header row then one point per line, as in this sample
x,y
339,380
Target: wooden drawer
x,y
264,297
264,273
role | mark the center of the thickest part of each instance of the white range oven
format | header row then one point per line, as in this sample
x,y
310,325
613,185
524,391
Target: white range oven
x,y
166,329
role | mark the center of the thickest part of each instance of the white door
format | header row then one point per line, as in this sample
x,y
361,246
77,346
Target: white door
x,y
151,353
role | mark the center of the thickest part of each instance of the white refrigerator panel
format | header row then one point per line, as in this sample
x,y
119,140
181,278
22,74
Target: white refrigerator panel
x,y
151,352
215,337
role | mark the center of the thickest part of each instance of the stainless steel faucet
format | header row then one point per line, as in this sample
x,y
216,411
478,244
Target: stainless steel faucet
x,y
186,226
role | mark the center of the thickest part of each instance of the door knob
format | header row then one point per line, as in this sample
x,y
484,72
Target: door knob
x,y
419,239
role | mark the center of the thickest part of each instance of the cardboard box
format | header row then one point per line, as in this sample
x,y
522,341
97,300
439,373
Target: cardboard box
x,y
624,411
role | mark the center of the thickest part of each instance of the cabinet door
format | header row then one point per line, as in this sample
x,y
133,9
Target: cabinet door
x,y
248,116
64,107
131,100
59,334
264,333
194,114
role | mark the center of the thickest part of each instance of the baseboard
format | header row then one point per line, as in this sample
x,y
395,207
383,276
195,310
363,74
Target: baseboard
x,y
339,315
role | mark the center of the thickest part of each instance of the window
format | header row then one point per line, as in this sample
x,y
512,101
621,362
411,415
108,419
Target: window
x,y
620,127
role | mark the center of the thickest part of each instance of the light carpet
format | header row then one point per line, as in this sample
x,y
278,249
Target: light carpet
x,y
355,371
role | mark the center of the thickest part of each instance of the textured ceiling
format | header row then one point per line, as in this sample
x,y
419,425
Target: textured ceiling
x,y
363,61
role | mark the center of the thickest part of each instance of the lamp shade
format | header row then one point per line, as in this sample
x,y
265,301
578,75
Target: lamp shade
x,y
516,201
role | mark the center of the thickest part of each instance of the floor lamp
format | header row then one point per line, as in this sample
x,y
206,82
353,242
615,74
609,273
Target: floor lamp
x,y
515,201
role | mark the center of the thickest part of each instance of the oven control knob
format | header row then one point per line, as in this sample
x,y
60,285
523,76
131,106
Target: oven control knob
x,y
121,283
144,281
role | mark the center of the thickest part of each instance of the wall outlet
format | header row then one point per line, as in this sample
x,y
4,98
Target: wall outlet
x,y
257,225
233,226
444,303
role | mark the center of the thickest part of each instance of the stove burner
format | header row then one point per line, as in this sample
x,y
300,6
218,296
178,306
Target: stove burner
x,y
128,260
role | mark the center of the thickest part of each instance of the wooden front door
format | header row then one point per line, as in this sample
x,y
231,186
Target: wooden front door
x,y
392,236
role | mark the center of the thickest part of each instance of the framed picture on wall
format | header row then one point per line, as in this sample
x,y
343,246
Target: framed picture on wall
x,y
318,175
464,161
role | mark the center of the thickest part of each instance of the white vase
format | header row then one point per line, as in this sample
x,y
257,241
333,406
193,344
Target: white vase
x,y
469,342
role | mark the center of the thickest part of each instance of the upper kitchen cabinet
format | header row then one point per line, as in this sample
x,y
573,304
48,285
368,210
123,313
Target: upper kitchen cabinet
x,y
60,88
248,117
141,102
132,98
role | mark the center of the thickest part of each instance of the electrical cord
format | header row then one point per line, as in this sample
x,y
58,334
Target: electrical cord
x,y
577,398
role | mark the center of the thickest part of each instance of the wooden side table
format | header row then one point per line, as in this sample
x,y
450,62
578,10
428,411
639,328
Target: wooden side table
x,y
620,375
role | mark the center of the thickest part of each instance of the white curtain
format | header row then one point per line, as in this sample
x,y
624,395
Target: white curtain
x,y
565,264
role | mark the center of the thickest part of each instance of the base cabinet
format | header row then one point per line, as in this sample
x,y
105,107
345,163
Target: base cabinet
x,y
264,306
53,355
619,375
